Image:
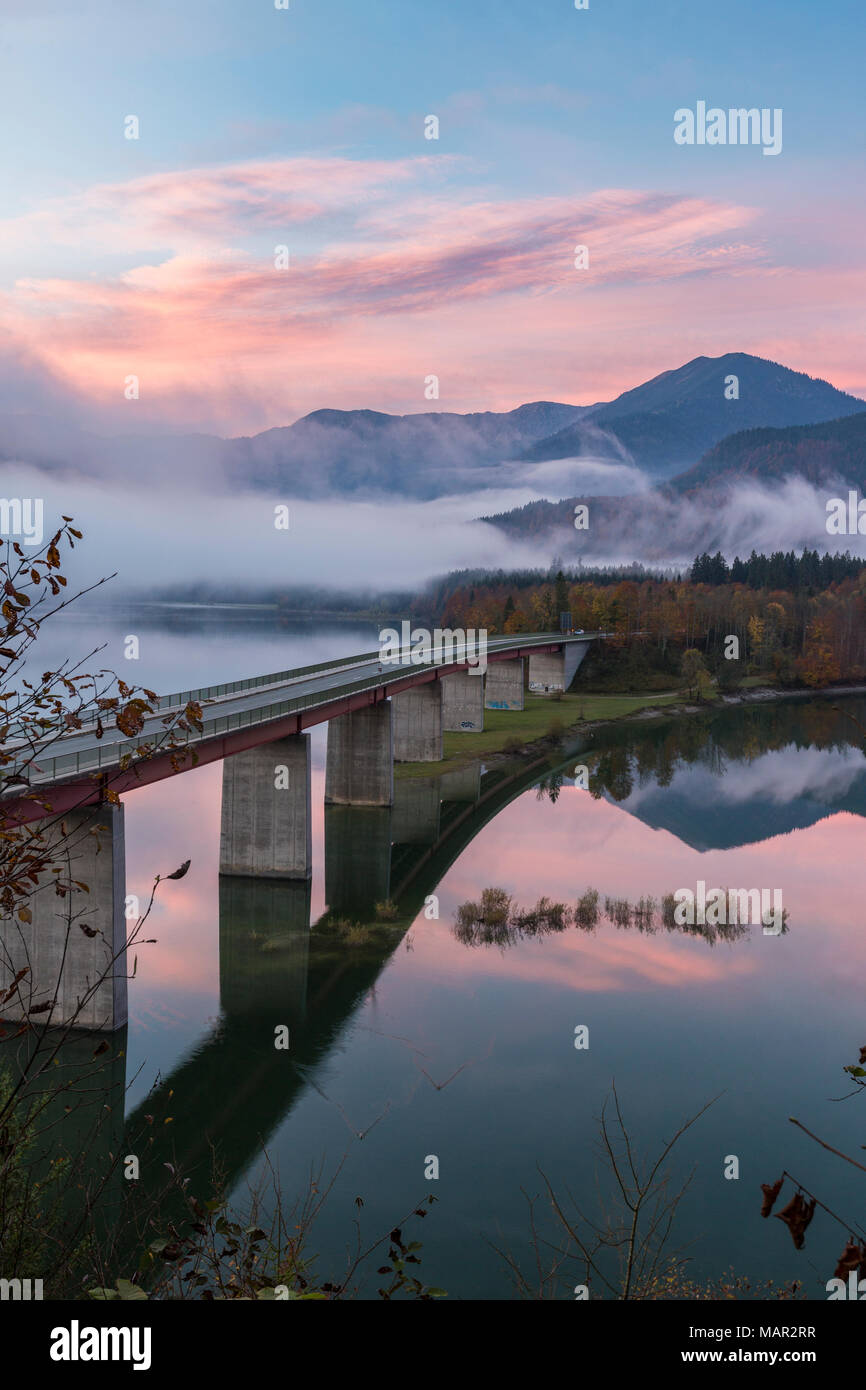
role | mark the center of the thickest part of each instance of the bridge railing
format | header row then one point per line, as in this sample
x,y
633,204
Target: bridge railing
x,y
66,766
243,687
250,683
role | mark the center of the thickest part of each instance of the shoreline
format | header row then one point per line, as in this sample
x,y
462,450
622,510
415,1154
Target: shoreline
x,y
762,695
539,745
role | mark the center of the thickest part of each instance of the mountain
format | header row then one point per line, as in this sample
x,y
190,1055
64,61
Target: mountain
x,y
668,423
833,451
342,452
423,455
708,824
707,507
61,448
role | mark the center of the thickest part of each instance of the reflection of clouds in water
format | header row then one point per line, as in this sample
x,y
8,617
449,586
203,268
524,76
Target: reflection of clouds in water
x,y
780,776
152,1016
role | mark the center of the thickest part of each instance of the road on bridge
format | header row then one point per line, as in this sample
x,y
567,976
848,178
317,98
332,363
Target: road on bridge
x,y
309,695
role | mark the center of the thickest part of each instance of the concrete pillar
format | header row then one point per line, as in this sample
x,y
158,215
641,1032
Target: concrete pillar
x,y
463,702
418,724
504,685
556,670
357,860
546,672
415,820
360,763
82,972
264,945
266,830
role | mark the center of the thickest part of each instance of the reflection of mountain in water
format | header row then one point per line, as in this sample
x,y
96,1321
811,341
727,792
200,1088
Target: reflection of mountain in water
x,y
740,776
706,812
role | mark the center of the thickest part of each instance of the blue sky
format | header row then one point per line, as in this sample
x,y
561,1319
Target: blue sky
x,y
536,101
210,72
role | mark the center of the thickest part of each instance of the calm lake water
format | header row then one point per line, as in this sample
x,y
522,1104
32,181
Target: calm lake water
x,y
769,796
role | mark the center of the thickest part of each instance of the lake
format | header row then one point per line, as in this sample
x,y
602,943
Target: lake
x,y
460,1045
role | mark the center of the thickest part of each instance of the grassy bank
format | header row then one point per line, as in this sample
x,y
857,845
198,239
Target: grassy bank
x,y
543,717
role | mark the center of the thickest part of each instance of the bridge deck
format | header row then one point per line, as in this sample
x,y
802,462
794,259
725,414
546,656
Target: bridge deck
x,y
242,714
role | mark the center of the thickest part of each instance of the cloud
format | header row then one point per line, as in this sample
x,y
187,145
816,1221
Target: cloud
x,y
664,530
409,256
154,534
190,526
212,206
584,477
381,252
398,269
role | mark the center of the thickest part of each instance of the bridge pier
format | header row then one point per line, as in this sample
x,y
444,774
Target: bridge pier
x,y
266,828
504,685
555,670
83,975
418,724
463,702
360,763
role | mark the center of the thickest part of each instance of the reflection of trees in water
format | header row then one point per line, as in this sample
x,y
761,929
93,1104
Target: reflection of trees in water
x,y
496,920
550,787
712,741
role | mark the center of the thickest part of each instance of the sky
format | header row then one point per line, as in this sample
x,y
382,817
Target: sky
x,y
411,258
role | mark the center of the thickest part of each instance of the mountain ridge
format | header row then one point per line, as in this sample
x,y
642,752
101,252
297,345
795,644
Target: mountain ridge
x,y
829,454
669,422
664,426
828,451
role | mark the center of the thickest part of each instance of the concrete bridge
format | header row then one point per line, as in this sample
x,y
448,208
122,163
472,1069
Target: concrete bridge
x,y
377,713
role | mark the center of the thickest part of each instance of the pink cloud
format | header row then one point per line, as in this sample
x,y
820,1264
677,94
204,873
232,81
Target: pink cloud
x,y
219,204
394,275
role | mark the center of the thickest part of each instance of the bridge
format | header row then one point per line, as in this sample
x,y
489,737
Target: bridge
x,y
245,714
378,712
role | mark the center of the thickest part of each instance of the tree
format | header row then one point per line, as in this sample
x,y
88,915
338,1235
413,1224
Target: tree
x,y
624,1252
542,610
561,594
48,1198
694,671
818,665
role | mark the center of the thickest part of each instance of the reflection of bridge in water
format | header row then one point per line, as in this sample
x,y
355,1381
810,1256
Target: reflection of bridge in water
x,y
236,1088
